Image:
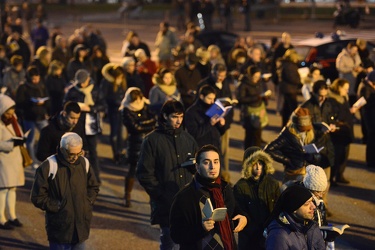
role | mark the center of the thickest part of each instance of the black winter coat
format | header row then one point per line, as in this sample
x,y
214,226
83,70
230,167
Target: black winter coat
x,y
67,199
290,79
138,125
198,124
186,215
55,86
159,171
50,136
187,80
26,108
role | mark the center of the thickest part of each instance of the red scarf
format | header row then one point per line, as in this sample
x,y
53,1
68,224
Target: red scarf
x,y
224,226
14,123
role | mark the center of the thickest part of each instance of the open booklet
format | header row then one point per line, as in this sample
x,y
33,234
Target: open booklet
x,y
217,214
218,109
312,148
25,135
360,103
337,228
39,99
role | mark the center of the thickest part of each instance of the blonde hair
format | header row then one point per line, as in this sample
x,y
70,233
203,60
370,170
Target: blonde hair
x,y
293,129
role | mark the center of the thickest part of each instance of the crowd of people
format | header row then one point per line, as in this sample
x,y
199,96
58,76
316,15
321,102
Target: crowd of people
x,y
65,87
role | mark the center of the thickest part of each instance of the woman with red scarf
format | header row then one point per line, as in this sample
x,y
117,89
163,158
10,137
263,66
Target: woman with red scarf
x,y
188,224
11,169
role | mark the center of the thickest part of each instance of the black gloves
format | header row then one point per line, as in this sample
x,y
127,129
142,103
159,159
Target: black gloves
x,y
18,141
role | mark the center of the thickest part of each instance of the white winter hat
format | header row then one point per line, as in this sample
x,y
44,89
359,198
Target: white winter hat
x,y
315,178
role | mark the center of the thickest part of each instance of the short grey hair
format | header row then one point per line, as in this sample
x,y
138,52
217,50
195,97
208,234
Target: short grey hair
x,y
70,139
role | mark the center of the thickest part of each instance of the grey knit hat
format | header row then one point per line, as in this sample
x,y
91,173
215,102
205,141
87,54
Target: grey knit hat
x,y
315,178
81,76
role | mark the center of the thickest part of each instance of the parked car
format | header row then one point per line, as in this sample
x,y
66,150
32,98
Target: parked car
x,y
324,51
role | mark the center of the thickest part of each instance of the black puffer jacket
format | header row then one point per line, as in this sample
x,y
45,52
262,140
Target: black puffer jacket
x,y
288,150
26,108
138,125
67,199
159,171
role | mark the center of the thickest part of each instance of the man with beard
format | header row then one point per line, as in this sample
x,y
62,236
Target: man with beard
x,y
189,225
292,225
65,121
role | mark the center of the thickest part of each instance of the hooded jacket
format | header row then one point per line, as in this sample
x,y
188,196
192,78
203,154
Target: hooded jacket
x,y
67,199
256,198
285,233
11,170
113,95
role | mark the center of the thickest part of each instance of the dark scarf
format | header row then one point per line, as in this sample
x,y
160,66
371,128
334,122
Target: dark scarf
x,y
215,190
14,123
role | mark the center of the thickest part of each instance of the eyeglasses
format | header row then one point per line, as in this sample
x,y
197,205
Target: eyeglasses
x,y
72,155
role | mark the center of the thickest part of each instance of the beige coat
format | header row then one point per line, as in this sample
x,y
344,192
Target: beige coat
x,y
11,169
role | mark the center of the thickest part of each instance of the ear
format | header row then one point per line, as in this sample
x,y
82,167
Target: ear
x,y
201,96
196,166
165,116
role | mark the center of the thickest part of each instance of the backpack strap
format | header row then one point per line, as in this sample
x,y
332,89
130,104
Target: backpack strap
x,y
87,164
52,166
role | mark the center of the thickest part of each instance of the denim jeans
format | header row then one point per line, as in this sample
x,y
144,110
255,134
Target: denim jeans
x,y
166,242
30,143
58,246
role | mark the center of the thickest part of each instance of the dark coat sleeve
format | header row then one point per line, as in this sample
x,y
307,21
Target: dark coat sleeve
x,y
40,191
146,170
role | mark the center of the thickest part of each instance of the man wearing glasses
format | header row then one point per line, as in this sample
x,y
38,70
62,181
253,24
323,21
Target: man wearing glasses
x,y
67,196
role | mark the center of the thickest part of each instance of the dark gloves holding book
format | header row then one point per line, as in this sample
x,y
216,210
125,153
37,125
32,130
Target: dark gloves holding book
x,y
18,141
312,158
329,236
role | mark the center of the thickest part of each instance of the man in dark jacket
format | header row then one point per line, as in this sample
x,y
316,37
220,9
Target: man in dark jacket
x,y
187,79
256,193
292,225
65,121
191,226
219,80
205,129
68,197
159,168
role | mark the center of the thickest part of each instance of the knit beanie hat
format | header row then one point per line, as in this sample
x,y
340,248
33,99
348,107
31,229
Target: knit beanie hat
x,y
81,76
301,117
139,52
293,198
315,178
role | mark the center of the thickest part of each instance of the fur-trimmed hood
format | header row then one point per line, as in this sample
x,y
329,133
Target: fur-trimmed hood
x,y
105,71
259,155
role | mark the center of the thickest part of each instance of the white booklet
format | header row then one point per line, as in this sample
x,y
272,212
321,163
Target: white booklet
x,y
360,103
217,214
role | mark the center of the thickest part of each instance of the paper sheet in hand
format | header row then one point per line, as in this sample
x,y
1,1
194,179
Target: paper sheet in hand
x,y
360,102
217,214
